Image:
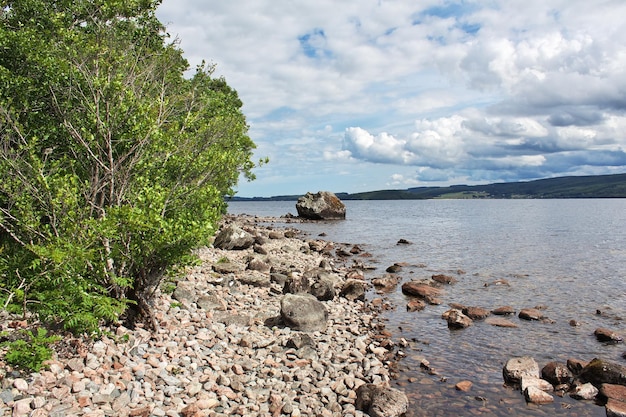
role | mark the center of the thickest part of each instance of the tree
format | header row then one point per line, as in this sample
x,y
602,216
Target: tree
x,y
113,165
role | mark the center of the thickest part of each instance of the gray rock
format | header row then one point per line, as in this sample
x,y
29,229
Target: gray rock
x,y
457,320
323,289
607,335
536,396
354,289
556,373
233,237
379,401
516,368
303,312
600,372
322,205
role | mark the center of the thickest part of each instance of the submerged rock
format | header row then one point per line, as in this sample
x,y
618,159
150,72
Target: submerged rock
x,y
600,372
607,335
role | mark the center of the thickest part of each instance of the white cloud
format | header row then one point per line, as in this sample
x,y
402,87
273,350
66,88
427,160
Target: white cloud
x,y
490,90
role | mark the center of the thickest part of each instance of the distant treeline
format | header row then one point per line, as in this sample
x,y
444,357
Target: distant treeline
x,y
593,186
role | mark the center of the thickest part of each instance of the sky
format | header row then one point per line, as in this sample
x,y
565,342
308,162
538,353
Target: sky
x,y
353,96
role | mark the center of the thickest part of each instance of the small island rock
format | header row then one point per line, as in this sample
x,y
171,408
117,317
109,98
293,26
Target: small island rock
x,y
322,205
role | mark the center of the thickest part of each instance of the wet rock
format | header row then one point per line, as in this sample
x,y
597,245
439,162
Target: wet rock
x,y
556,373
531,314
615,408
533,381
503,311
536,396
379,401
476,313
611,391
422,290
353,289
303,312
403,242
463,386
600,372
415,305
387,282
607,335
516,368
394,268
457,320
444,279
576,365
233,237
501,322
584,392
322,205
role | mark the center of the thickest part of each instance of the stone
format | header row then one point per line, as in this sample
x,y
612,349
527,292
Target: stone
x,y
533,381
296,283
516,368
395,268
233,237
463,386
226,267
611,391
607,335
444,279
576,366
323,289
386,283
615,408
600,372
500,322
20,384
457,320
184,294
556,373
530,314
257,264
303,312
353,289
322,205
536,396
415,305
380,401
503,311
421,290
476,313
584,392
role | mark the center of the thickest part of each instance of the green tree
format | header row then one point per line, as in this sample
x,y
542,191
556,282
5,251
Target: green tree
x,y
113,164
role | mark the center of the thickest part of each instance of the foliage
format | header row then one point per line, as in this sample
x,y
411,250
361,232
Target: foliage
x,y
31,350
113,164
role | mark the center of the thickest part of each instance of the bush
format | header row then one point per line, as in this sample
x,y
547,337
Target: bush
x,y
113,165
31,350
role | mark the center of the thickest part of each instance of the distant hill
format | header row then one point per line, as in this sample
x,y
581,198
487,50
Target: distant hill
x,y
592,186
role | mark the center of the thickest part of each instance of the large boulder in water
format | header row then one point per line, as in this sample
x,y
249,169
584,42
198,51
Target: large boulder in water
x,y
600,372
322,205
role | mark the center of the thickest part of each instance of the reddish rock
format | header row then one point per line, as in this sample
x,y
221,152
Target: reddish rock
x,y
536,396
575,365
444,279
322,205
503,311
421,290
556,373
500,322
463,386
415,305
607,335
615,408
386,282
457,320
530,314
612,391
476,313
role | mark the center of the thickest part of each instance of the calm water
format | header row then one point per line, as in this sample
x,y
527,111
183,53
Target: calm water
x,y
566,255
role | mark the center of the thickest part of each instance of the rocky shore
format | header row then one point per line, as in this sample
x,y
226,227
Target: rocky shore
x,y
226,344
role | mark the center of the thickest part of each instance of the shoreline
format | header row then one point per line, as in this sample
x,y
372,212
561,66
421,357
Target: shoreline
x,y
221,348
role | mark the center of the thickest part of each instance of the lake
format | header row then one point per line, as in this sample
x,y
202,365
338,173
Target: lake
x,y
567,256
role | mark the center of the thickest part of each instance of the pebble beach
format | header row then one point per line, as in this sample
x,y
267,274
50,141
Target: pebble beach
x,y
220,348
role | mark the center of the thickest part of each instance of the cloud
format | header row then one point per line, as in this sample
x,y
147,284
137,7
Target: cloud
x,y
452,91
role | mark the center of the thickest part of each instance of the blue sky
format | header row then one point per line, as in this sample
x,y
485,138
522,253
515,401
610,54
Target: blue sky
x,y
351,96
